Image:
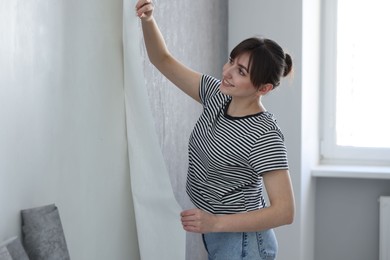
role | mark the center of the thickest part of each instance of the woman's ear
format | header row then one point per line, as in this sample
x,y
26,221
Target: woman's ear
x,y
264,89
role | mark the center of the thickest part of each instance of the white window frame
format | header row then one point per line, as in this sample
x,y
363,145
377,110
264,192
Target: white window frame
x,y
330,152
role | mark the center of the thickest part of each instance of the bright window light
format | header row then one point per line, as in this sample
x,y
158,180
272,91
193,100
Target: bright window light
x,y
363,69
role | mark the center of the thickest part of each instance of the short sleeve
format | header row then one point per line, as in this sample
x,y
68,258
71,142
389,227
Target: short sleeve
x,y
209,87
269,153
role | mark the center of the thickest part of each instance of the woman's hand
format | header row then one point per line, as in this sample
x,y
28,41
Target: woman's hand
x,y
144,9
198,221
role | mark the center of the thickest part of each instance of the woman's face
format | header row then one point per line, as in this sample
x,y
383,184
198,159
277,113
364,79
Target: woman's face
x,y
236,79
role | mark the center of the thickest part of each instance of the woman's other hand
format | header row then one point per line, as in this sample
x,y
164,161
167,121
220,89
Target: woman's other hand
x,y
198,221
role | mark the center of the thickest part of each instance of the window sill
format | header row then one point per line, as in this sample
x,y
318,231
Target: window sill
x,y
347,171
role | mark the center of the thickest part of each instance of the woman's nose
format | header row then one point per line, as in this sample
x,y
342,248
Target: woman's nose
x,y
227,71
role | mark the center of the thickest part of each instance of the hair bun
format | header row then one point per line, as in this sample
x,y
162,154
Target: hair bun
x,y
288,65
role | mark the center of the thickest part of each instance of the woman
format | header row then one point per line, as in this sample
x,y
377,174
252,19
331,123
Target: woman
x,y
235,149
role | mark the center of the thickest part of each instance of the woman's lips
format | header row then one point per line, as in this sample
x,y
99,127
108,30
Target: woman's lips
x,y
227,83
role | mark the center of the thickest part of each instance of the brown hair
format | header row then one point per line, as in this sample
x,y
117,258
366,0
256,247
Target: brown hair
x,y
267,62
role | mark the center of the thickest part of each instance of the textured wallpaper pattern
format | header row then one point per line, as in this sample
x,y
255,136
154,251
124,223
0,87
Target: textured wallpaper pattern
x,y
196,34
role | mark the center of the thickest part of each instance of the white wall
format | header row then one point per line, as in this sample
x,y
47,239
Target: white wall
x,y
62,127
347,217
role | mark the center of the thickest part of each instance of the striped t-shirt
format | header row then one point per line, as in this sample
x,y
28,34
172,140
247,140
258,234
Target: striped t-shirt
x,y
228,155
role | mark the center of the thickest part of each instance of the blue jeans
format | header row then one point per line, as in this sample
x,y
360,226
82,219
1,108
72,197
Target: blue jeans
x,y
241,246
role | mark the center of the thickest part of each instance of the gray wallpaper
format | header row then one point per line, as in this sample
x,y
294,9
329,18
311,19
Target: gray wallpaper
x,y
196,34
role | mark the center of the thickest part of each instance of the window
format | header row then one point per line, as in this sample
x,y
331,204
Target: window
x,y
355,83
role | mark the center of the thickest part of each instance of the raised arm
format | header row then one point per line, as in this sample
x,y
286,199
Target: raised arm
x,y
183,77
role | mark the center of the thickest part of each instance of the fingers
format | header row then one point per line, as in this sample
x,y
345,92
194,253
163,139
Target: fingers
x,y
144,8
189,212
193,229
190,220
195,220
189,216
141,3
191,226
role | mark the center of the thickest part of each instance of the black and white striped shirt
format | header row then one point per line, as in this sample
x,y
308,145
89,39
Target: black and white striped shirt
x,y
228,155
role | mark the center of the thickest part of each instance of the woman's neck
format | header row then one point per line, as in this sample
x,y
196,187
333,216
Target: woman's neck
x,y
239,108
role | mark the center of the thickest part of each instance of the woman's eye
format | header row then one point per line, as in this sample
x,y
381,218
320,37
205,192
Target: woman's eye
x,y
241,71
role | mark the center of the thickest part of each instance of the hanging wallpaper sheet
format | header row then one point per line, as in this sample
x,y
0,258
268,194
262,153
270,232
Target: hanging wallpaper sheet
x,y
159,230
